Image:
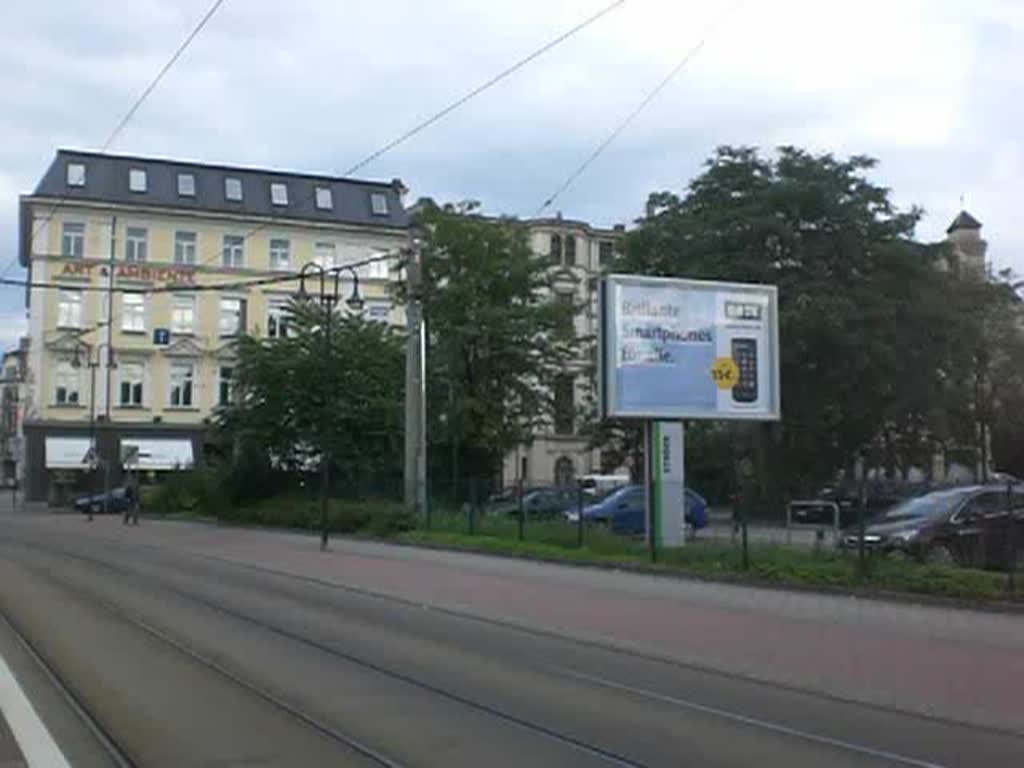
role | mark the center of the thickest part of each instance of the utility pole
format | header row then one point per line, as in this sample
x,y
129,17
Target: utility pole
x,y
111,437
415,473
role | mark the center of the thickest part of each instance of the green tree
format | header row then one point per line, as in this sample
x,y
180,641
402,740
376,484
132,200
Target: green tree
x,y
298,395
496,341
862,307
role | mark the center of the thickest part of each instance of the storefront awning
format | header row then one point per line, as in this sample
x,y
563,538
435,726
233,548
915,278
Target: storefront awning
x,y
160,453
67,452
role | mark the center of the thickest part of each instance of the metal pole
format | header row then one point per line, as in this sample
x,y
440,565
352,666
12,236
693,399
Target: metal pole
x,y
325,452
421,437
861,553
522,509
110,359
1011,529
92,421
415,472
648,496
744,501
579,514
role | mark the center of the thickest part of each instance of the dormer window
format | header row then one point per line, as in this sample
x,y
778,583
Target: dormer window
x,y
76,174
137,180
378,204
324,198
279,193
186,185
233,189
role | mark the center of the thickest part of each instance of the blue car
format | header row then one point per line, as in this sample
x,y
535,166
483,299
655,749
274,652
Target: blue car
x,y
623,510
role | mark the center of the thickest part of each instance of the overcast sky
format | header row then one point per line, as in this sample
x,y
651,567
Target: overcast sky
x,y
932,88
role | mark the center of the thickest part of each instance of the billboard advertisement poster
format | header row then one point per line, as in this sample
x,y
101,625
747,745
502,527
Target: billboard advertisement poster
x,y
693,349
668,502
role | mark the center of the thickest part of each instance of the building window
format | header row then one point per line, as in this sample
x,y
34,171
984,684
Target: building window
x,y
324,198
564,405
184,247
277,319
604,251
72,239
570,250
131,375
565,473
379,204
183,313
556,249
378,270
136,180
135,244
234,251
279,193
325,255
181,385
232,316
133,312
69,308
378,312
566,312
66,384
233,188
280,254
76,175
225,386
186,185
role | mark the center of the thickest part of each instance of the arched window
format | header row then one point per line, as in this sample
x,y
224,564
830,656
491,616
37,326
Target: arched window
x,y
556,249
570,250
565,473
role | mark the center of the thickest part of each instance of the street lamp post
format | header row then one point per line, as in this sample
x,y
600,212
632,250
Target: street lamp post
x,y
328,299
76,363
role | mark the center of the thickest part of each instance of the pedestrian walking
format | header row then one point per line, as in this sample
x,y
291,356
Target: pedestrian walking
x,y
131,492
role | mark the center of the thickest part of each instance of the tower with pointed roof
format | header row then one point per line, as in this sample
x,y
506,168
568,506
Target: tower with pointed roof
x,y
966,246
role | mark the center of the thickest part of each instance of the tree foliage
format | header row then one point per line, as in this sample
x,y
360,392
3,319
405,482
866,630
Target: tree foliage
x,y
496,340
299,395
869,325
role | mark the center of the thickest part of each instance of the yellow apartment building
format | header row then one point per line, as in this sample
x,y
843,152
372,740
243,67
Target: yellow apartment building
x,y
142,274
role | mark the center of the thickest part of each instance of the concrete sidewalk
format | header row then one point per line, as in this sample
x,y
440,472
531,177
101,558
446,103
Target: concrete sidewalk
x,y
958,664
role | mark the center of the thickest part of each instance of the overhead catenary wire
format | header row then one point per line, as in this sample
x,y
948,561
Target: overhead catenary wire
x,y
494,80
679,66
434,118
123,122
444,111
187,287
190,288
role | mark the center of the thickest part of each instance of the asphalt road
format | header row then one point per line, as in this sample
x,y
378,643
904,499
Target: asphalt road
x,y
179,656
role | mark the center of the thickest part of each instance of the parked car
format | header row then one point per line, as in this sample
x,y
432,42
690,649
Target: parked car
x,y
968,526
549,501
120,499
623,510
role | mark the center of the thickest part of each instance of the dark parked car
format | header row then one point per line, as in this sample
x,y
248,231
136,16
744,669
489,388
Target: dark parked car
x,y
623,510
537,502
120,500
878,497
968,526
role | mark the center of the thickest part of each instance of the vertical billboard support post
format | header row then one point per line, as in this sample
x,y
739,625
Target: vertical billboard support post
x,y
668,483
650,506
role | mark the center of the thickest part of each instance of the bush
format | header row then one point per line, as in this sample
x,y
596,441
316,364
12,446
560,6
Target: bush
x,y
379,517
199,491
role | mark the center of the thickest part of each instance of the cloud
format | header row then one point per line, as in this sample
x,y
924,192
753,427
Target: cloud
x,y
928,87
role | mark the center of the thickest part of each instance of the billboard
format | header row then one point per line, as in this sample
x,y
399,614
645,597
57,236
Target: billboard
x,y
688,349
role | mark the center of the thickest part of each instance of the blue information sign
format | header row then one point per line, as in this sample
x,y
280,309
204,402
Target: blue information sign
x,y
161,336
